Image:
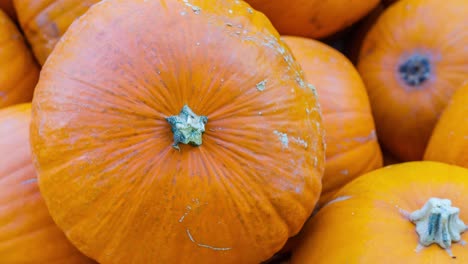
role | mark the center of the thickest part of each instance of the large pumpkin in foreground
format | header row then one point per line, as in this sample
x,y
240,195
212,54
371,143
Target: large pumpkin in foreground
x,y
132,81
27,233
352,147
449,140
413,213
45,21
18,71
412,60
313,18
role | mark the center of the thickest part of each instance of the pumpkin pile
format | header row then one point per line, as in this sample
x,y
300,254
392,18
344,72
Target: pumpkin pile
x,y
229,131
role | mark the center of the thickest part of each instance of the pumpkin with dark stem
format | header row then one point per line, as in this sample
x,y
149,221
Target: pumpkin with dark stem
x,y
45,21
27,233
412,60
175,131
449,140
414,212
18,70
352,146
313,18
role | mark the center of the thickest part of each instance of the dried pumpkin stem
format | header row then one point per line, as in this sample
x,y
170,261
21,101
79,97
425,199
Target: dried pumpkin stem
x,y
415,70
187,127
438,222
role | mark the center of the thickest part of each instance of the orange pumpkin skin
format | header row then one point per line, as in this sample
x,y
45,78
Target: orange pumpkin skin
x,y
27,233
103,148
352,147
449,140
313,18
411,65
45,21
18,71
367,217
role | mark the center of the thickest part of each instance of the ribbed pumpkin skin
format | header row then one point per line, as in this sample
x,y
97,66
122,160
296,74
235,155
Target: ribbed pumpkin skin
x,y
45,21
449,140
405,115
27,233
368,224
7,7
18,71
103,148
352,147
313,18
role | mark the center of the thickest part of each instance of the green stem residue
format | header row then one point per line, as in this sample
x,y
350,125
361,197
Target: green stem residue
x,y
187,127
438,223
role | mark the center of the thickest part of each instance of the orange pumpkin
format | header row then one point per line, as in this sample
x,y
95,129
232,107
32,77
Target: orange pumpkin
x,y
313,18
18,71
411,64
176,131
27,233
45,21
449,140
7,6
388,216
352,147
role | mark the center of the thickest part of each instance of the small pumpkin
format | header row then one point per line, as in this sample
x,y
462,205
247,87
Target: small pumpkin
x,y
313,18
411,64
7,7
18,70
415,211
176,131
45,21
449,140
27,233
352,146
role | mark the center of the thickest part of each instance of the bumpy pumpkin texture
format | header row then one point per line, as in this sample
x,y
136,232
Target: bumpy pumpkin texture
x,y
313,18
27,233
18,70
352,147
449,140
45,21
389,213
412,60
130,83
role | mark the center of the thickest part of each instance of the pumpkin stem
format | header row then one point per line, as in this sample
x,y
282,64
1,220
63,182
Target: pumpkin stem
x,y
438,222
187,127
415,70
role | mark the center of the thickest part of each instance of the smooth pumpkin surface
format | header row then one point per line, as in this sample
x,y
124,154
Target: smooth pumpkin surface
x,y
27,233
45,21
18,71
104,148
449,140
352,147
7,7
412,61
313,18
368,217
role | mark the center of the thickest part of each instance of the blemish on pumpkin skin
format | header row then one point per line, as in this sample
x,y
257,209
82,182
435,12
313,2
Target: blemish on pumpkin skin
x,y
194,8
204,245
299,141
261,85
283,137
